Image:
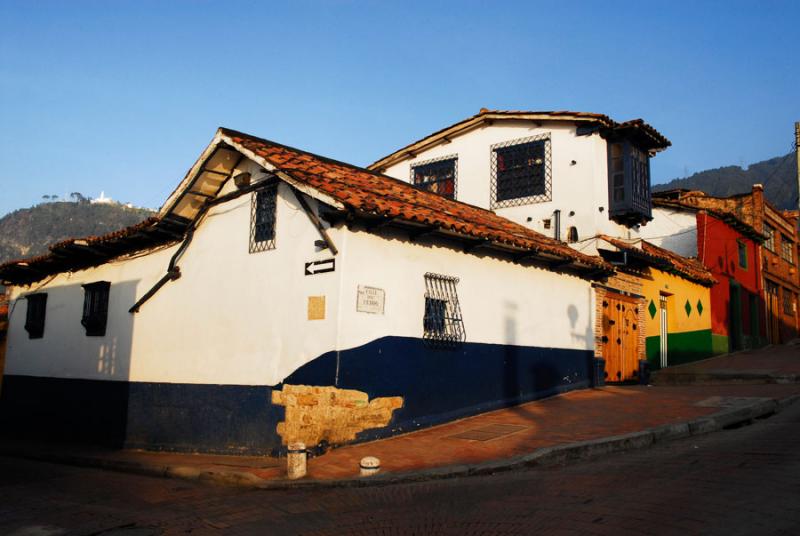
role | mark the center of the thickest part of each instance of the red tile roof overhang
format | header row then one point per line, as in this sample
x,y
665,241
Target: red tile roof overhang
x,y
81,253
664,260
662,200
644,134
349,193
376,200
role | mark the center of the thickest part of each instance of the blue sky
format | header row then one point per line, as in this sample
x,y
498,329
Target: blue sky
x,y
123,96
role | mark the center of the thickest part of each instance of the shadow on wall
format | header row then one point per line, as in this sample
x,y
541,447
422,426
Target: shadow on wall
x,y
587,336
678,242
521,377
69,386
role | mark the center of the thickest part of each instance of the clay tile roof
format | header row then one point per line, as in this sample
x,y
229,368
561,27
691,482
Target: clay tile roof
x,y
356,188
80,253
691,269
654,138
727,209
371,193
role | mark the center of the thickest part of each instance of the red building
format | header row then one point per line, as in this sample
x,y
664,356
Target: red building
x,y
730,251
729,248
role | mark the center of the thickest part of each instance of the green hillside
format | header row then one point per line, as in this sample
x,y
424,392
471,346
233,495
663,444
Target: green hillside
x,y
27,232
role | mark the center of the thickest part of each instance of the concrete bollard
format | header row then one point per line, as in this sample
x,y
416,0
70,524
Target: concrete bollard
x,y
370,465
296,461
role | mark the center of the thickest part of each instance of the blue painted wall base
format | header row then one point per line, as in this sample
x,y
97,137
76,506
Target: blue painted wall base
x,y
437,385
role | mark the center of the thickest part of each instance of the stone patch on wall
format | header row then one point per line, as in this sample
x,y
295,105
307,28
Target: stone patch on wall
x,y
316,414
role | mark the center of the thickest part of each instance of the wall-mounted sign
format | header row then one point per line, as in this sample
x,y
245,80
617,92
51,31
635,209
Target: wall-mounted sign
x,y
320,267
316,307
370,300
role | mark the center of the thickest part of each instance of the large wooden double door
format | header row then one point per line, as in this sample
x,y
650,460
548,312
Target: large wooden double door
x,y
620,337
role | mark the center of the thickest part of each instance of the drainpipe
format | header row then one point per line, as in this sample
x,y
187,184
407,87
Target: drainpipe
x,y
557,224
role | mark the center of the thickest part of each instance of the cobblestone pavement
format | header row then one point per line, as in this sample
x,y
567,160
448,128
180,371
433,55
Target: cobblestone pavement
x,y
743,481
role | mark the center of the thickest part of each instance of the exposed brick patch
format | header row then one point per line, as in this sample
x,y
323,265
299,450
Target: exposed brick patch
x,y
316,414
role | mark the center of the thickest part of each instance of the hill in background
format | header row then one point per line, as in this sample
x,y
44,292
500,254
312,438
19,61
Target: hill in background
x,y
27,232
778,175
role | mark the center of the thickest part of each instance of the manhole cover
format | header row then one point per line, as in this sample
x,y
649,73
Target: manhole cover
x,y
492,431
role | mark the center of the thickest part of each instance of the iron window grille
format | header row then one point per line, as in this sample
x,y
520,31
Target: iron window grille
x,y
521,172
95,308
769,243
438,175
786,249
263,208
442,322
34,317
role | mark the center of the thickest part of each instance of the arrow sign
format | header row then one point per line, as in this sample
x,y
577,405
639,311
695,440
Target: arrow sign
x,y
320,267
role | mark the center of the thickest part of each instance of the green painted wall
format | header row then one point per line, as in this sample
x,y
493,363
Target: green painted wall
x,y
682,347
719,344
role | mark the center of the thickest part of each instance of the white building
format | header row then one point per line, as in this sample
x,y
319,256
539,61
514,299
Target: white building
x,y
574,176
568,175
281,296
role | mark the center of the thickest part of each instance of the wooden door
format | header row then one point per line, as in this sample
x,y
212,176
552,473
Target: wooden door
x,y
620,338
773,313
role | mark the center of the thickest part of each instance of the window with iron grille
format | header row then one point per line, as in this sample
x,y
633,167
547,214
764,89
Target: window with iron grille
x,y
34,318
786,249
628,183
788,302
95,308
521,172
437,175
769,243
263,208
742,248
442,322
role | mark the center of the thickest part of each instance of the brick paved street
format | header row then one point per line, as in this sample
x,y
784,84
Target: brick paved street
x,y
743,481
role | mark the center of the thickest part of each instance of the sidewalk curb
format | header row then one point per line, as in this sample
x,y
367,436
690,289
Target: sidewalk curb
x,y
542,457
706,378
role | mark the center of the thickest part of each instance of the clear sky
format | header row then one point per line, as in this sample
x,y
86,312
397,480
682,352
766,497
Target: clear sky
x,y
122,96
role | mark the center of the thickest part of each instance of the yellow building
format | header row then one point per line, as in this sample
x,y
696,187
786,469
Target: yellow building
x,y
675,292
681,308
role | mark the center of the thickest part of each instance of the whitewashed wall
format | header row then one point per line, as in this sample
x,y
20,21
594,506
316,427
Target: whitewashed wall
x,y
675,230
241,319
232,318
581,187
501,302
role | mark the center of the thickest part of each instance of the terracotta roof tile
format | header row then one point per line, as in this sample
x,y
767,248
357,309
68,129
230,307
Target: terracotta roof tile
x,y
65,255
690,268
356,188
654,137
734,210
370,192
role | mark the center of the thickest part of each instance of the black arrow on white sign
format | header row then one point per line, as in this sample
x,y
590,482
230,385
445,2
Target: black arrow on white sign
x,y
320,267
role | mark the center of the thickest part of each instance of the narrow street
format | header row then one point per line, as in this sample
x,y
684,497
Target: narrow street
x,y
742,481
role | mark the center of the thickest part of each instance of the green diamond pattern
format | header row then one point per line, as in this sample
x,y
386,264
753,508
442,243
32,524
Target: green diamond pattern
x,y
688,308
652,309
699,307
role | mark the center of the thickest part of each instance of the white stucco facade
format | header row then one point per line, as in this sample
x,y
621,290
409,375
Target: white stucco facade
x,y
579,172
675,230
237,318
